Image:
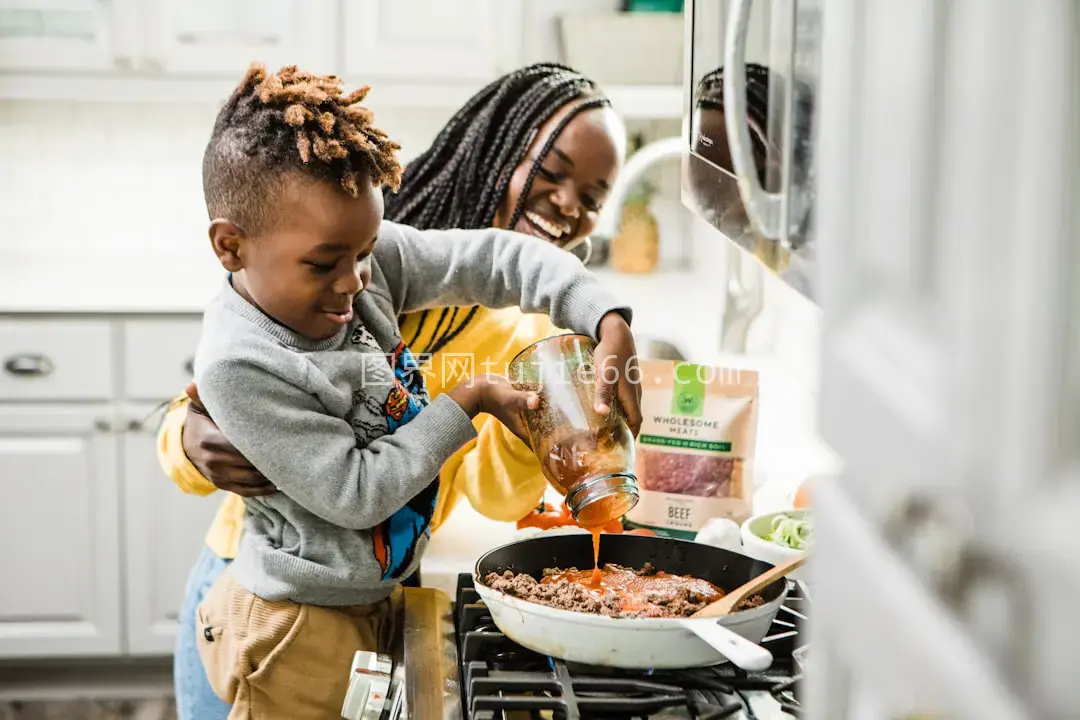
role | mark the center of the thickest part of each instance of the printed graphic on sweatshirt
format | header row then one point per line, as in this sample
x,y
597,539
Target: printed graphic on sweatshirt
x,y
362,336
368,418
408,372
408,396
395,540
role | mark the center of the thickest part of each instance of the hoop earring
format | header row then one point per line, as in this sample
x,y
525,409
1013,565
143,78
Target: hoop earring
x,y
587,242
582,249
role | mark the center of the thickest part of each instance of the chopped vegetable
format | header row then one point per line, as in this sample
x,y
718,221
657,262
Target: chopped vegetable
x,y
791,532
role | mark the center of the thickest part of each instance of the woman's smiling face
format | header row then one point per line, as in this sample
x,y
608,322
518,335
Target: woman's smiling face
x,y
572,181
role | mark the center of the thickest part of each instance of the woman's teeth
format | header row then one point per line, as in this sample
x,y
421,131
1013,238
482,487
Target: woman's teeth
x,y
555,231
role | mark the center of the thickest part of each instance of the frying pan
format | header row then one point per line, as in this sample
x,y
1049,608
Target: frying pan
x,y
662,643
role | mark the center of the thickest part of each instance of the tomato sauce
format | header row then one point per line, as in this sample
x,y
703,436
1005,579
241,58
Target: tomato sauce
x,y
597,576
633,590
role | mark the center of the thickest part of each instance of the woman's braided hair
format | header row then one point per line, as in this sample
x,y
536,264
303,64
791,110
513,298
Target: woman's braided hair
x,y
291,121
460,180
710,95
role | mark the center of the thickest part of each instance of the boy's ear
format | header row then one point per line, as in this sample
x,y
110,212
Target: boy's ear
x,y
228,239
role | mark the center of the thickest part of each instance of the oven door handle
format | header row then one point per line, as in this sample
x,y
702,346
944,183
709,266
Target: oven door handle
x,y
762,208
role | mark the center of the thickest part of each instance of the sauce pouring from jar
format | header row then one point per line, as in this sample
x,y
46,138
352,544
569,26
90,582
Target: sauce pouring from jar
x,y
586,455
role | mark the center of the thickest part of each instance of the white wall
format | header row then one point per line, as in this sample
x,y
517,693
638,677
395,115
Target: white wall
x,y
108,176
87,178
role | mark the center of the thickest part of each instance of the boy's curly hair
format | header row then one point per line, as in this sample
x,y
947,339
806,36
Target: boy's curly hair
x,y
291,122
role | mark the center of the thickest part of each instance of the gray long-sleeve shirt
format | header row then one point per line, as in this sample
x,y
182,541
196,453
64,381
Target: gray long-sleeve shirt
x,y
344,428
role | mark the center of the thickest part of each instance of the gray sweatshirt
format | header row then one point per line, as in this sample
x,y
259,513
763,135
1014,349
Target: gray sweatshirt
x,y
344,427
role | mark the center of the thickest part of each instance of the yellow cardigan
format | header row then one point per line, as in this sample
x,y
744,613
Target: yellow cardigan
x,y
496,472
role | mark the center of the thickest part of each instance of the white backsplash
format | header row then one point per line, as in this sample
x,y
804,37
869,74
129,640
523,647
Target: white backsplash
x,y
83,178
97,177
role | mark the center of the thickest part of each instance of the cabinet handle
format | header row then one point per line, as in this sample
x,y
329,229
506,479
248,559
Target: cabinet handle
x,y
29,365
189,366
102,425
227,38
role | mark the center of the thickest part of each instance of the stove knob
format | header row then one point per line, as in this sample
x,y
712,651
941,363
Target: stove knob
x,y
369,687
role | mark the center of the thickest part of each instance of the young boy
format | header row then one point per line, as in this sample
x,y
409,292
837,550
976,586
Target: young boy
x,y
302,366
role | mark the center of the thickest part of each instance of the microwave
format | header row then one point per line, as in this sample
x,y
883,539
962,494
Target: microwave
x,y
751,78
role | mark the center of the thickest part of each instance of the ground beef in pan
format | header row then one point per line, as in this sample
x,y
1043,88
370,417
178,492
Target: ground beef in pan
x,y
559,592
563,594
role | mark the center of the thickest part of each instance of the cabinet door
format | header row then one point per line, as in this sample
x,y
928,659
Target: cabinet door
x,y
59,530
164,535
222,38
455,40
66,34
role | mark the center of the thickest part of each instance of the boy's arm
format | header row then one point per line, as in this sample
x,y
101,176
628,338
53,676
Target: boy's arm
x,y
170,451
494,268
312,457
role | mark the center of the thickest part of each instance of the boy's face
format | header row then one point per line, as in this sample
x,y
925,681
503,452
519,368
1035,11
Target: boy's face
x,y
313,259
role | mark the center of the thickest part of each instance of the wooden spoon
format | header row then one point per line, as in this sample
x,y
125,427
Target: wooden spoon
x,y
727,604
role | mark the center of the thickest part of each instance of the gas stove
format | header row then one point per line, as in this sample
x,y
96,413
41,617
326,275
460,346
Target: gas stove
x,y
501,680
450,662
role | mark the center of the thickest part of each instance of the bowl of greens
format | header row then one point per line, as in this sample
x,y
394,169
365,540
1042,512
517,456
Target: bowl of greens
x,y
777,536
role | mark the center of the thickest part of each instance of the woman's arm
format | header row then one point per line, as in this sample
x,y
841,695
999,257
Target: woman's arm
x,y
196,456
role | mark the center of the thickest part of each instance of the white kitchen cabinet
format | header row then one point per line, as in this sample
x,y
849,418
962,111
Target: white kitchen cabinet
x,y
462,40
163,535
64,360
60,532
98,543
67,34
159,356
949,240
210,37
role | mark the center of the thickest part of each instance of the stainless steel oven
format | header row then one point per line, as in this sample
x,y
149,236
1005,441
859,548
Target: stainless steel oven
x,y
748,163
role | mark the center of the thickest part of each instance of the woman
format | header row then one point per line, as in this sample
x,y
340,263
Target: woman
x,y
535,151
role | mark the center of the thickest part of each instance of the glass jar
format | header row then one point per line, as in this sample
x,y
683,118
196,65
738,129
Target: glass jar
x,y
587,456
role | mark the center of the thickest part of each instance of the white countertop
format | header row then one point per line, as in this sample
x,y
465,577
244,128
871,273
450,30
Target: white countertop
x,y
126,283
106,283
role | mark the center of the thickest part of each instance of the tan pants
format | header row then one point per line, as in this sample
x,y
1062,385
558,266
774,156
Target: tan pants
x,y
283,660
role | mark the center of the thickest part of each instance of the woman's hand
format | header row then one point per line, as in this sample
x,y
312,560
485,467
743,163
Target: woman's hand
x,y
215,457
617,372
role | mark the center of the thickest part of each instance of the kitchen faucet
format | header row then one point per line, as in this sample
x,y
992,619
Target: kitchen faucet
x,y
607,225
744,291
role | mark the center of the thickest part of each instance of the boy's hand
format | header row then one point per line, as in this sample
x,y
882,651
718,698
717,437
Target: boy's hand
x,y
494,395
215,457
617,373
